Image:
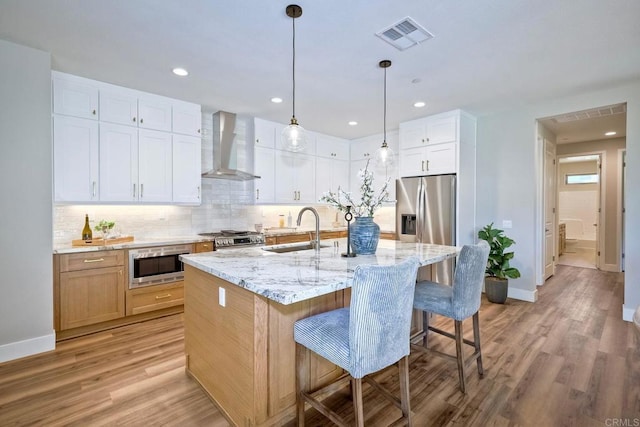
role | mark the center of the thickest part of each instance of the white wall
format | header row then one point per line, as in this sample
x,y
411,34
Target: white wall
x,y
508,173
26,305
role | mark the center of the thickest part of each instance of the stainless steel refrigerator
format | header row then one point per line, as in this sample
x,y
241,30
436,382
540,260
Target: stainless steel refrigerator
x,y
426,213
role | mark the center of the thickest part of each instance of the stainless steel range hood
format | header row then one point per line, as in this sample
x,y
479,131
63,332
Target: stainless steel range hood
x,y
225,150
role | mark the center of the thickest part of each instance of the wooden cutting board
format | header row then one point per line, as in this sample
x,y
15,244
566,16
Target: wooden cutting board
x,y
102,242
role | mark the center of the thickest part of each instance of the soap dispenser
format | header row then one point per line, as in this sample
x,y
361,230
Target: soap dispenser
x,y
289,220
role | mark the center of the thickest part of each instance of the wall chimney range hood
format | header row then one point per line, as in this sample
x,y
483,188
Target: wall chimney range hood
x,y
225,150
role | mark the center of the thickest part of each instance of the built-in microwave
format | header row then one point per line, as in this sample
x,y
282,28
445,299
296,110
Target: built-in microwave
x,y
156,265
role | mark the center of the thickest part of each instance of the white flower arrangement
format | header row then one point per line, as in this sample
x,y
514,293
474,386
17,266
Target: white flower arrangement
x,y
369,199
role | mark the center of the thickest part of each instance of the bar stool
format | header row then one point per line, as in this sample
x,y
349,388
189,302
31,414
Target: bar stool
x,y
368,336
457,302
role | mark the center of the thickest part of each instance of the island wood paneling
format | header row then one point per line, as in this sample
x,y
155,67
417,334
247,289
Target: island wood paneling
x,y
243,354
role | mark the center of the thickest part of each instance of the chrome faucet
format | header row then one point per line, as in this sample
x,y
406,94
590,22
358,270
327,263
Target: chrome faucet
x,y
316,242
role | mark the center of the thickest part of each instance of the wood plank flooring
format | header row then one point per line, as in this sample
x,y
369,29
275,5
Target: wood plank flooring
x,y
567,360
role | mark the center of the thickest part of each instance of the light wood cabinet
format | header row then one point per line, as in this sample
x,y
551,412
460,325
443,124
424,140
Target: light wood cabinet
x,y
153,298
92,286
203,247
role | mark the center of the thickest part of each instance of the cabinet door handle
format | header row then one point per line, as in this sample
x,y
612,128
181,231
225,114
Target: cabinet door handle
x,y
163,296
423,166
88,261
141,190
93,189
198,192
257,194
141,120
93,112
257,140
427,165
134,119
427,139
198,130
134,191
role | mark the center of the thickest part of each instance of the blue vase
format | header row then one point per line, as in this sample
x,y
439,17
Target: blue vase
x,y
364,235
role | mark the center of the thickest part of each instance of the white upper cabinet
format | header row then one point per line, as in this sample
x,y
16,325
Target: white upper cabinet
x,y
75,160
154,112
295,177
118,163
186,159
330,147
428,146
187,118
145,147
75,96
118,105
155,166
265,168
363,150
265,133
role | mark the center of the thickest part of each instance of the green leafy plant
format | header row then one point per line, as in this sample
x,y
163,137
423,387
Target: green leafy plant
x,y
104,226
498,263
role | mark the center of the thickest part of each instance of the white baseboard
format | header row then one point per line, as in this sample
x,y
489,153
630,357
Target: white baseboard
x,y
522,294
19,349
610,267
627,313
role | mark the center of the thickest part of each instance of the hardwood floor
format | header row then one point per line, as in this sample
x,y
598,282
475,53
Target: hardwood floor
x,y
567,360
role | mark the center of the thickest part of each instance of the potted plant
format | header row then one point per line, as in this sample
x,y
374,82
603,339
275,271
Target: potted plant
x,y
498,271
364,232
104,227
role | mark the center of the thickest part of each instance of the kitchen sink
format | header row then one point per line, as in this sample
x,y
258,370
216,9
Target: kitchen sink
x,y
294,247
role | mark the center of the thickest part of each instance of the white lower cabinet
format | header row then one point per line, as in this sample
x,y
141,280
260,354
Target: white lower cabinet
x,y
295,177
75,159
186,160
264,167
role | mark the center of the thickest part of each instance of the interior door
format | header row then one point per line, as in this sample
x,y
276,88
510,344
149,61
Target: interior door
x,y
550,197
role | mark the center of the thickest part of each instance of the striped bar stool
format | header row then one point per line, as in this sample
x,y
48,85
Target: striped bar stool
x,y
368,336
458,302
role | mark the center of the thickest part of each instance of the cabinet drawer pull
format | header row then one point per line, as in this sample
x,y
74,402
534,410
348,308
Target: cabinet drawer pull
x,y
163,296
87,261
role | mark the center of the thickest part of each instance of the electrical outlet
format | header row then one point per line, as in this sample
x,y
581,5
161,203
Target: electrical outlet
x,y
222,297
506,223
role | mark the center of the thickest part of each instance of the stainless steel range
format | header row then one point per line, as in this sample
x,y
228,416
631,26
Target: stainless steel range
x,y
234,239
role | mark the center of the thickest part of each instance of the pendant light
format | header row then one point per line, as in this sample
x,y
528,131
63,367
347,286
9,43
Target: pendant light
x,y
384,157
294,137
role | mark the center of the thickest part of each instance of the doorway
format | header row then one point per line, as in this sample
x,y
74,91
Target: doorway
x,y
579,207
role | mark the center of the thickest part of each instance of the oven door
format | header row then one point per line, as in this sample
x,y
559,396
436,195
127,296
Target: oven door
x,y
156,265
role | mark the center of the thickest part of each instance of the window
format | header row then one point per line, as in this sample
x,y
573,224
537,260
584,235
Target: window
x,y
581,178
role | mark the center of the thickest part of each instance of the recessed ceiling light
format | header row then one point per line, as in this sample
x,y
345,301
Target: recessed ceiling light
x,y
276,100
180,72
610,133
419,104
353,123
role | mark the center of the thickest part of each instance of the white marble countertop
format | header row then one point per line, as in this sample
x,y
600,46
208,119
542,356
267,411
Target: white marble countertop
x,y
142,243
291,277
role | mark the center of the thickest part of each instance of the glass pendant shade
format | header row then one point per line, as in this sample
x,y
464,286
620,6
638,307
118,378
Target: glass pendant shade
x,y
385,157
294,137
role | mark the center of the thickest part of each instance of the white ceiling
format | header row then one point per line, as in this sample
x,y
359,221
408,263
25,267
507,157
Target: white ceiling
x,y
486,54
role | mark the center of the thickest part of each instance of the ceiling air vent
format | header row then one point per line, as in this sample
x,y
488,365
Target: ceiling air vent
x,y
404,34
592,113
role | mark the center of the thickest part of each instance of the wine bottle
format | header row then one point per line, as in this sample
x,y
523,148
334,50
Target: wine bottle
x,y
86,231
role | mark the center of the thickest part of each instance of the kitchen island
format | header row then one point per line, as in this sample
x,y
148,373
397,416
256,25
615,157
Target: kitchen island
x,y
240,307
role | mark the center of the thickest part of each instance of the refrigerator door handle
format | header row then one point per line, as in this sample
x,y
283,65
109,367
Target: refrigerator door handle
x,y
420,211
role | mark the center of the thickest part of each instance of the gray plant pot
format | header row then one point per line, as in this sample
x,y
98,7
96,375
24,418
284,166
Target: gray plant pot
x,y
496,289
